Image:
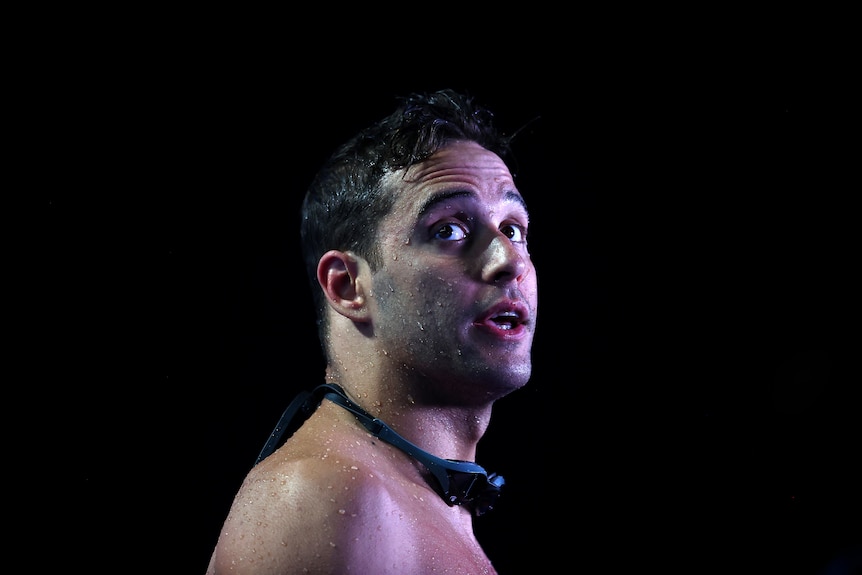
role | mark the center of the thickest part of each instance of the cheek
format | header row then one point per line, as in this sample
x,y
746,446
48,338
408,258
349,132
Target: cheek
x,y
413,293
534,290
530,286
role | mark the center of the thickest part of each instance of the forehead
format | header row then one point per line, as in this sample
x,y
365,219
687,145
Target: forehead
x,y
461,169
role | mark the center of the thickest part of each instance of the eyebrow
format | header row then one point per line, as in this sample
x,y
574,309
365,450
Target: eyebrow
x,y
433,201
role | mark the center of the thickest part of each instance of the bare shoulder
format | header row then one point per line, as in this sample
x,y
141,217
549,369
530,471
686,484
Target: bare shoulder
x,y
327,511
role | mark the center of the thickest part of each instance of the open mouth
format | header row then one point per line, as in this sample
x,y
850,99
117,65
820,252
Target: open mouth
x,y
508,317
506,320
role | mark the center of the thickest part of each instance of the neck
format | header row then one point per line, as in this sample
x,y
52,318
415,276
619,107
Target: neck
x,y
458,482
451,431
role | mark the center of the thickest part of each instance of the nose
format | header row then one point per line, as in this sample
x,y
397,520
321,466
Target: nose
x,y
504,260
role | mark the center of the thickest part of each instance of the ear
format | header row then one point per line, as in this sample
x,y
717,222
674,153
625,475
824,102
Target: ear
x,y
338,276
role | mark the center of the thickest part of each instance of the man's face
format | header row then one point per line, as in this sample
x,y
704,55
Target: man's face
x,y
456,294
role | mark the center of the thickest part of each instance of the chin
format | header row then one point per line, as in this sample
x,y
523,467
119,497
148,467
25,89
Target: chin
x,y
513,378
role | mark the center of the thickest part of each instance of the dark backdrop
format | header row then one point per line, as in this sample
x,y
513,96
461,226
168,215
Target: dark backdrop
x,y
690,408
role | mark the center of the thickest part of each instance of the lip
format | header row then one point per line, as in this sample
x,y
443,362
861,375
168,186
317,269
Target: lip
x,y
508,319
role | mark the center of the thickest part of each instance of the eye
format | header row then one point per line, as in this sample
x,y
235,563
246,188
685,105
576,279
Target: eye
x,y
450,231
514,232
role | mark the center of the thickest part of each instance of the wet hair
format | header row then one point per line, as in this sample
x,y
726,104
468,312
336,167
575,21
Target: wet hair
x,y
346,200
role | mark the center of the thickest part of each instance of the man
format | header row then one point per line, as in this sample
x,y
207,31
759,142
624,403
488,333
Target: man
x,y
415,238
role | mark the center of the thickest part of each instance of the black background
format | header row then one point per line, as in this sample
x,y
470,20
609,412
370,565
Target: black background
x,y
691,408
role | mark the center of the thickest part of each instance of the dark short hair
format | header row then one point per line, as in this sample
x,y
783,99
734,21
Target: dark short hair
x,y
346,200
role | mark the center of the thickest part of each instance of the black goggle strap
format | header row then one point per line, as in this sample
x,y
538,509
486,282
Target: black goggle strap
x,y
303,405
460,481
